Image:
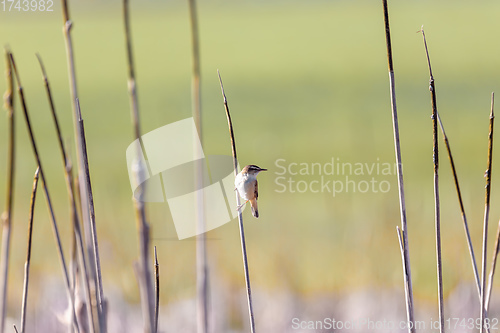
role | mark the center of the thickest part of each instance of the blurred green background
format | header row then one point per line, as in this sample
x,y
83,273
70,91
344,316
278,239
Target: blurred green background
x,y
306,82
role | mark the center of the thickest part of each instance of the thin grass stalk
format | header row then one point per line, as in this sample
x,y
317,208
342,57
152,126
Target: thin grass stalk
x,y
462,209
401,246
201,246
402,203
240,215
76,185
196,77
78,246
68,24
46,192
74,264
157,291
52,109
134,105
102,307
486,215
143,228
493,268
90,292
464,216
88,222
73,272
9,199
437,207
28,252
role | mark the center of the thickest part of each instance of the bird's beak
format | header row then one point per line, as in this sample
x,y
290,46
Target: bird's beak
x,y
262,170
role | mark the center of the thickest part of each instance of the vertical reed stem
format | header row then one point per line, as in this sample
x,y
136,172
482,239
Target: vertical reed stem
x,y
201,246
402,204
486,215
142,267
46,192
157,291
240,215
101,304
6,217
492,269
88,221
91,295
435,155
462,209
28,252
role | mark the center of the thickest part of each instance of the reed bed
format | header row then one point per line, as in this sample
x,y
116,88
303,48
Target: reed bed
x,y
90,313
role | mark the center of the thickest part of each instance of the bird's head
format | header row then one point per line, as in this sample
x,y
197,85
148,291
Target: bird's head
x,y
252,170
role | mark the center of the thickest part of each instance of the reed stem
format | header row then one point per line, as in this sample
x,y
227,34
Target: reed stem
x,y
46,192
201,246
6,217
157,291
142,267
493,268
486,215
402,203
240,215
28,252
437,207
91,295
88,222
462,209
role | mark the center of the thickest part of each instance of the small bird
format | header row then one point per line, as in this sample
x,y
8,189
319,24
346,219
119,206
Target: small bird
x,y
247,187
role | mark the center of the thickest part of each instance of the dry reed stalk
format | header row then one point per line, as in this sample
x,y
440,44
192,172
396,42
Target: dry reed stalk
x,y
134,107
157,291
402,203
437,207
46,192
240,215
462,209
88,221
464,216
201,246
6,217
28,252
487,174
493,268
78,246
101,302
142,267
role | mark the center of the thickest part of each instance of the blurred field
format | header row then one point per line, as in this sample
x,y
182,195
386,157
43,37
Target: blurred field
x,y
306,82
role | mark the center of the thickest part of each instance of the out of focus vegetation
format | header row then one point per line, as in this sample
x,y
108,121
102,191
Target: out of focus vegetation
x,y
306,82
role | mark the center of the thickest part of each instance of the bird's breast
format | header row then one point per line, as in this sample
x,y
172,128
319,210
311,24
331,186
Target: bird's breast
x,y
245,186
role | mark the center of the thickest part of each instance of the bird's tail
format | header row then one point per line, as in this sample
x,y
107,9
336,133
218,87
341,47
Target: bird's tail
x,y
255,210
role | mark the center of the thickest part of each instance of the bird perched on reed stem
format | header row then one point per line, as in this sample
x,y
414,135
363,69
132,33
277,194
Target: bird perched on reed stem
x,y
246,185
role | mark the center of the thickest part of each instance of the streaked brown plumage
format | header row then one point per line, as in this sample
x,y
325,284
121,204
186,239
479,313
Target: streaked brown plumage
x,y
247,186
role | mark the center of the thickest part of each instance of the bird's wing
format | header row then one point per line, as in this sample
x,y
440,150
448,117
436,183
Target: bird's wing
x,y
256,190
